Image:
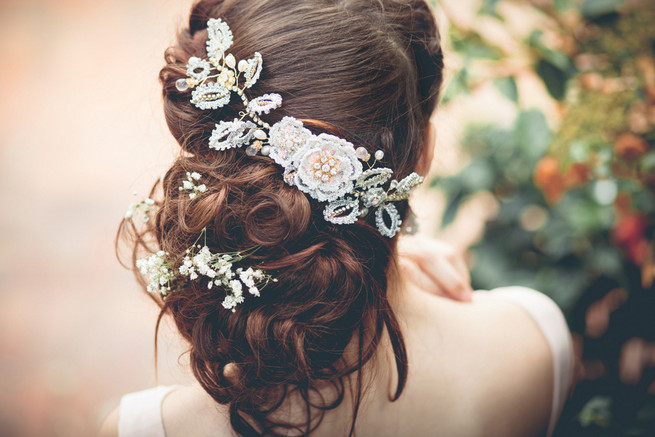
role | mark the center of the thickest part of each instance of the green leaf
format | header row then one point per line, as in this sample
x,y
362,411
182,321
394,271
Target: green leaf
x,y
563,5
452,207
507,87
554,67
554,78
532,134
647,162
471,45
595,8
488,7
458,85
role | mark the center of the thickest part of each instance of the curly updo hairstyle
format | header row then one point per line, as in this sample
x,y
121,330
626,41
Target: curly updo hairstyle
x,y
368,71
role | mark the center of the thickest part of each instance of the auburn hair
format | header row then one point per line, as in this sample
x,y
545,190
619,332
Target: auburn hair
x,y
368,71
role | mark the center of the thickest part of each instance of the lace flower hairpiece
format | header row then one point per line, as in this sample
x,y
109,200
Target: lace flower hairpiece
x,y
325,167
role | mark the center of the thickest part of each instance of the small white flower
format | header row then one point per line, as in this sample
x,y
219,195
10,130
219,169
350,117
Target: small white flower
x,y
246,277
237,287
189,185
130,210
229,302
254,291
147,206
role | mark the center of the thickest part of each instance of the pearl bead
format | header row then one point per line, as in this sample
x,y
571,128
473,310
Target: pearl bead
x,y
362,154
266,150
230,61
182,85
379,155
251,151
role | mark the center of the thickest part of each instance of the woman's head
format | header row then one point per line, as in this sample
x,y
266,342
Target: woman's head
x,y
368,71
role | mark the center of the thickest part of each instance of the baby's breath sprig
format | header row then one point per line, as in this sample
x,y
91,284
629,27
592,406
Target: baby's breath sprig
x,y
146,206
217,268
190,185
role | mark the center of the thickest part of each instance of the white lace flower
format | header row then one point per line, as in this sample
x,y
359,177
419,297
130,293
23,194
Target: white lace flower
x,y
326,167
220,37
286,137
264,104
210,96
231,134
198,69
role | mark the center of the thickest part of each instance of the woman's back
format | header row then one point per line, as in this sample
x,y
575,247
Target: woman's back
x,y
480,369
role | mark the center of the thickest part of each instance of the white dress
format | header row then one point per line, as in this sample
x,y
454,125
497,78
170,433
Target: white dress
x,y
140,413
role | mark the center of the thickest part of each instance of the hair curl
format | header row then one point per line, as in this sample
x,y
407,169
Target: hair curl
x,y
366,70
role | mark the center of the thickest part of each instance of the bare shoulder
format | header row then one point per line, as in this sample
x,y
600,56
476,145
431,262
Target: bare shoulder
x,y
109,427
519,363
492,352
191,411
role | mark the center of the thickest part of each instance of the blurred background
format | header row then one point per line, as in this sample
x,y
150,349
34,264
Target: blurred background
x,y
545,174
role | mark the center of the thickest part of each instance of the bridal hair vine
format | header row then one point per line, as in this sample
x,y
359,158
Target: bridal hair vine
x,y
217,268
326,167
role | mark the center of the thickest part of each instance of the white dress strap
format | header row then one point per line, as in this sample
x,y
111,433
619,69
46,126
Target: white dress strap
x,y
140,413
550,320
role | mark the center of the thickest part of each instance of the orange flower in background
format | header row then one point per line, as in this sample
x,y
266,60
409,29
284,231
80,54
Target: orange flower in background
x,y
628,233
577,174
554,182
629,146
549,178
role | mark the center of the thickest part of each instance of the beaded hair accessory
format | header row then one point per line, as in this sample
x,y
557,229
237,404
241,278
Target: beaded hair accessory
x,y
324,166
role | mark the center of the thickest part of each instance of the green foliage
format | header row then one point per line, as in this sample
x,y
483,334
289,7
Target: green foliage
x,y
595,8
576,204
507,87
554,67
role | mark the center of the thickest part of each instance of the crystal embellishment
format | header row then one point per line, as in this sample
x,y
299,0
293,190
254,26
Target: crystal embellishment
x,y
210,96
231,134
264,104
